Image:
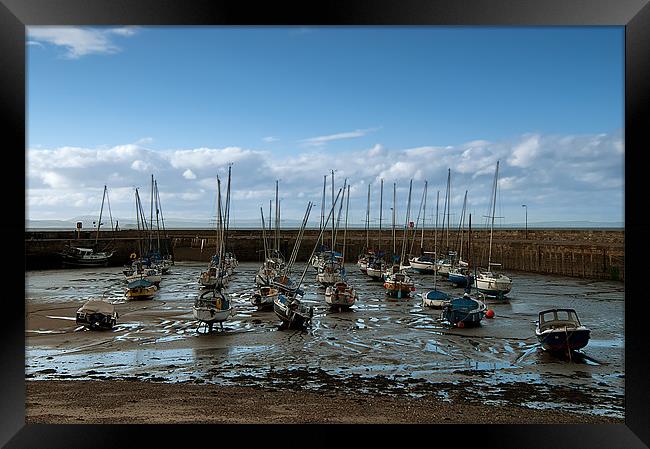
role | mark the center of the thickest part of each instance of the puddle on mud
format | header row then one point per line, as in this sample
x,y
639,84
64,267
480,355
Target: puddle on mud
x,y
379,346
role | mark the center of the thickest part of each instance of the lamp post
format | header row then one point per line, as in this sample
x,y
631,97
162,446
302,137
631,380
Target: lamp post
x,y
526,207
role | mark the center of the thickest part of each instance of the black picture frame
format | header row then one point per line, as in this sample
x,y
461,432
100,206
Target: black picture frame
x,y
633,14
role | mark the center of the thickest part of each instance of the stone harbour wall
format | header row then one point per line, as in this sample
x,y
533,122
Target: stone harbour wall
x,y
584,253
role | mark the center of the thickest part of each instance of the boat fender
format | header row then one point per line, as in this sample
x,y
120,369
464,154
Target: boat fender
x,y
489,313
460,324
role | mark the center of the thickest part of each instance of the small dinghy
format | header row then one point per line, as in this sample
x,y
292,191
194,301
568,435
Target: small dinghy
x,y
561,330
264,296
464,311
141,289
97,314
435,299
340,295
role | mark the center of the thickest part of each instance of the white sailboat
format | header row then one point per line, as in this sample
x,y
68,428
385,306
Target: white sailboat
x,y
214,306
330,271
342,294
424,263
397,283
489,283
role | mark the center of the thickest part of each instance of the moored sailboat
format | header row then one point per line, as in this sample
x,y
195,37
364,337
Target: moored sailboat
x,y
342,294
491,284
214,306
397,283
90,257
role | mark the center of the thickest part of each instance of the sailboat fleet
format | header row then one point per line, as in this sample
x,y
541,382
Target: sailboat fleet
x,y
277,289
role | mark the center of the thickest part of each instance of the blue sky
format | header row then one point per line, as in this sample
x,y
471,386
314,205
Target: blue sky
x,y
546,101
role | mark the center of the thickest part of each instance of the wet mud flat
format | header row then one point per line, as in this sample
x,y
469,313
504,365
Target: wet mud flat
x,y
380,349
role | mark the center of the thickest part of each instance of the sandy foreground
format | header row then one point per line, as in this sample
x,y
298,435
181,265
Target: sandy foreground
x,y
122,402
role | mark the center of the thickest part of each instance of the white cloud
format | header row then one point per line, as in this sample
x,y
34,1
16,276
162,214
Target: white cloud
x,y
525,153
144,141
78,41
270,139
189,174
322,140
141,166
579,173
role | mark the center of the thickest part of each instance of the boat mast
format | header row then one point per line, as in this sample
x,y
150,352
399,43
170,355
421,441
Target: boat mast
x,y
424,215
227,211
447,206
367,220
266,251
332,248
345,230
417,223
99,223
219,235
494,201
381,208
276,242
137,220
394,195
338,219
110,214
157,214
461,227
302,277
322,209
151,218
406,224
435,232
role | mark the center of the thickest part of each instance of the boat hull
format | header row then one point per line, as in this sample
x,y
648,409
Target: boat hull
x,y
493,287
86,262
376,274
96,320
435,299
295,318
464,312
423,267
210,314
141,292
398,290
460,280
559,340
337,297
264,300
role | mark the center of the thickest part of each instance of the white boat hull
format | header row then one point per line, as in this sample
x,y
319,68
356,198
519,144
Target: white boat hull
x,y
375,273
211,314
423,267
497,286
338,297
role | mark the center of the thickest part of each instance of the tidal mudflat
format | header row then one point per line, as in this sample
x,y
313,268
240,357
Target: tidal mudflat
x,y
384,350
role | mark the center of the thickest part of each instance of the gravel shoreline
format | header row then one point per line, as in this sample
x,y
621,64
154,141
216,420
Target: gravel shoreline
x,y
122,402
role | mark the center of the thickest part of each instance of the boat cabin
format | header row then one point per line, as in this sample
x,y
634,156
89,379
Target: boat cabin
x,y
558,318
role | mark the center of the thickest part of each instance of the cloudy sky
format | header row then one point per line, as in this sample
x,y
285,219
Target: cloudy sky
x,y
115,105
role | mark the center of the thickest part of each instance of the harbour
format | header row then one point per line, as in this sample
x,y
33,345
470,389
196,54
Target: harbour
x,y
380,347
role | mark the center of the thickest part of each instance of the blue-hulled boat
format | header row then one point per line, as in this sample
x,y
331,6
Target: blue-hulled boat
x,y
435,299
464,311
460,278
561,330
